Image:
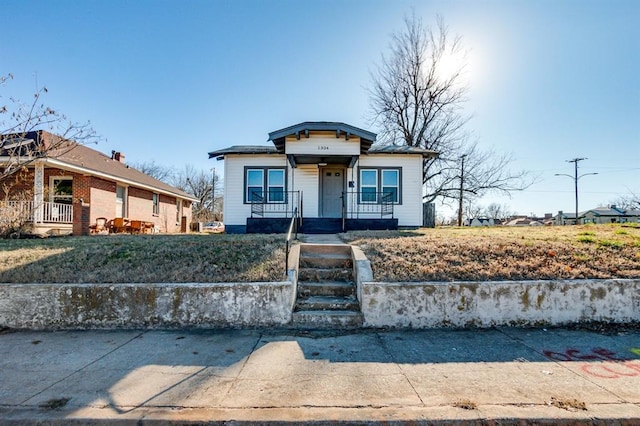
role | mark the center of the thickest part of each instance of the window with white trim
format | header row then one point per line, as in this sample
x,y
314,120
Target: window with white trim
x,y
265,184
61,189
376,182
156,204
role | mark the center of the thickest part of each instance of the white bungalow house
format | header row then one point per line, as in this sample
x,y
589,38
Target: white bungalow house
x,y
331,173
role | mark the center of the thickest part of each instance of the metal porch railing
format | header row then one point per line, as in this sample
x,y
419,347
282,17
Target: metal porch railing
x,y
367,205
277,205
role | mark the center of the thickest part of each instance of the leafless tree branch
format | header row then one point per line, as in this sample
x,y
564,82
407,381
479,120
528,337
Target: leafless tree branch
x,y
18,121
417,99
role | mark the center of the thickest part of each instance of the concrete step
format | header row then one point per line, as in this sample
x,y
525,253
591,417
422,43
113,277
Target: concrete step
x,y
326,288
325,274
309,248
326,260
327,303
327,319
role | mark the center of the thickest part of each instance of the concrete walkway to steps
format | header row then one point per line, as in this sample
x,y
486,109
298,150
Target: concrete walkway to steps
x,y
508,376
320,239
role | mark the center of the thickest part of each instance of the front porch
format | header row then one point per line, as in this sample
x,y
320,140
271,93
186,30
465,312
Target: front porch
x,y
46,217
360,210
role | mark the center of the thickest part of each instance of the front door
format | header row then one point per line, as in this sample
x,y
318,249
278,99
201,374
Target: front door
x,y
331,195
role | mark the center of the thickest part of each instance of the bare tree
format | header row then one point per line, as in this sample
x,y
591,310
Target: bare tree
x,y
21,144
473,210
417,99
627,202
497,211
155,170
206,187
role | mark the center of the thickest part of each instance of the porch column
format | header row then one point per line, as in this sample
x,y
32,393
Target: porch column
x,y
38,193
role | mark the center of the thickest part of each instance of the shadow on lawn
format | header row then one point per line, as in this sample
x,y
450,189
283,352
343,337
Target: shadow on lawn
x,y
143,258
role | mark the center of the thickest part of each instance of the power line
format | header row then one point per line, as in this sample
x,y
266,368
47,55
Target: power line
x,y
575,178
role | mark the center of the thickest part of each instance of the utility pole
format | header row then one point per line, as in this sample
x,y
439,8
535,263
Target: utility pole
x,y
575,178
461,190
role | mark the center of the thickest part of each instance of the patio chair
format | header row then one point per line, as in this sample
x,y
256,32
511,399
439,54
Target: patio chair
x,y
135,226
119,225
99,227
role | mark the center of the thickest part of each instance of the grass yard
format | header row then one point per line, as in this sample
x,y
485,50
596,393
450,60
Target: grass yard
x,y
441,254
143,259
503,253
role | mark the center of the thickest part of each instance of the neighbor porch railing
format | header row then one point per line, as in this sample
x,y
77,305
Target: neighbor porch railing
x,y
280,204
367,205
46,212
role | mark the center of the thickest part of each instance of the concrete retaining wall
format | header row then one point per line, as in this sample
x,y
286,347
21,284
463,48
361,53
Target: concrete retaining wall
x,y
77,306
485,304
407,304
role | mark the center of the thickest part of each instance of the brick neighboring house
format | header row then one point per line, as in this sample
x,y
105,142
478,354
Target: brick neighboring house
x,y
68,189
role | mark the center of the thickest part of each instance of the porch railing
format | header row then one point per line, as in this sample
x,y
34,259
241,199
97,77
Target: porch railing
x,y
293,231
280,204
367,205
47,213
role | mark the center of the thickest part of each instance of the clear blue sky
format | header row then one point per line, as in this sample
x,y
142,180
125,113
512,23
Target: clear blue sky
x,y
172,80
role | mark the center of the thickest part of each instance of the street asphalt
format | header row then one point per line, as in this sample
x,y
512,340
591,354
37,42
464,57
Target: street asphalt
x,y
492,376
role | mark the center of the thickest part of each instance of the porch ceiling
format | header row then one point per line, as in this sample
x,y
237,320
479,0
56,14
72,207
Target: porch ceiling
x,y
342,160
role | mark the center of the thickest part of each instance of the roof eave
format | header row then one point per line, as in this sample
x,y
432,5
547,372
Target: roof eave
x,y
86,170
320,126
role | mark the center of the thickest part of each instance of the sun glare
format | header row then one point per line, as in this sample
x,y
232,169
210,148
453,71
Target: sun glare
x,y
451,63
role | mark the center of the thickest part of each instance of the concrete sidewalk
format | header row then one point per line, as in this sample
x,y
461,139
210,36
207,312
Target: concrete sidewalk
x,y
258,376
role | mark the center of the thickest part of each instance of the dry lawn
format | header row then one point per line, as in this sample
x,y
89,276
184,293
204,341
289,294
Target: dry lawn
x,y
441,254
143,259
502,253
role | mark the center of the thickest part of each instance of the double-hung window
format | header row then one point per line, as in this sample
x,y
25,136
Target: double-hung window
x,y
369,185
156,204
62,190
391,184
265,184
378,183
275,185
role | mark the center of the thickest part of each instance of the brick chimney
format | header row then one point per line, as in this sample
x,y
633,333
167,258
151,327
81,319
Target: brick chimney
x,y
118,156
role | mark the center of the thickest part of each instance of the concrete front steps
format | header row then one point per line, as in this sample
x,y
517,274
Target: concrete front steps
x,y
326,296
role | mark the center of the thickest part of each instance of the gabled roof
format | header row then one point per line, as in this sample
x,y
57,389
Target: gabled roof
x,y
244,149
604,211
366,138
77,157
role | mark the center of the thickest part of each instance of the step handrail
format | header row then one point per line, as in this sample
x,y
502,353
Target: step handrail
x,y
292,225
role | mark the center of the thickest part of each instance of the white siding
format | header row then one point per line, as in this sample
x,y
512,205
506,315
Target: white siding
x,y
235,211
324,144
409,213
305,179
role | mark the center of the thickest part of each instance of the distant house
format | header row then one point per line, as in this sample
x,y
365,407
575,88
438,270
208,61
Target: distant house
x,y
523,221
563,218
479,221
611,214
67,190
331,173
